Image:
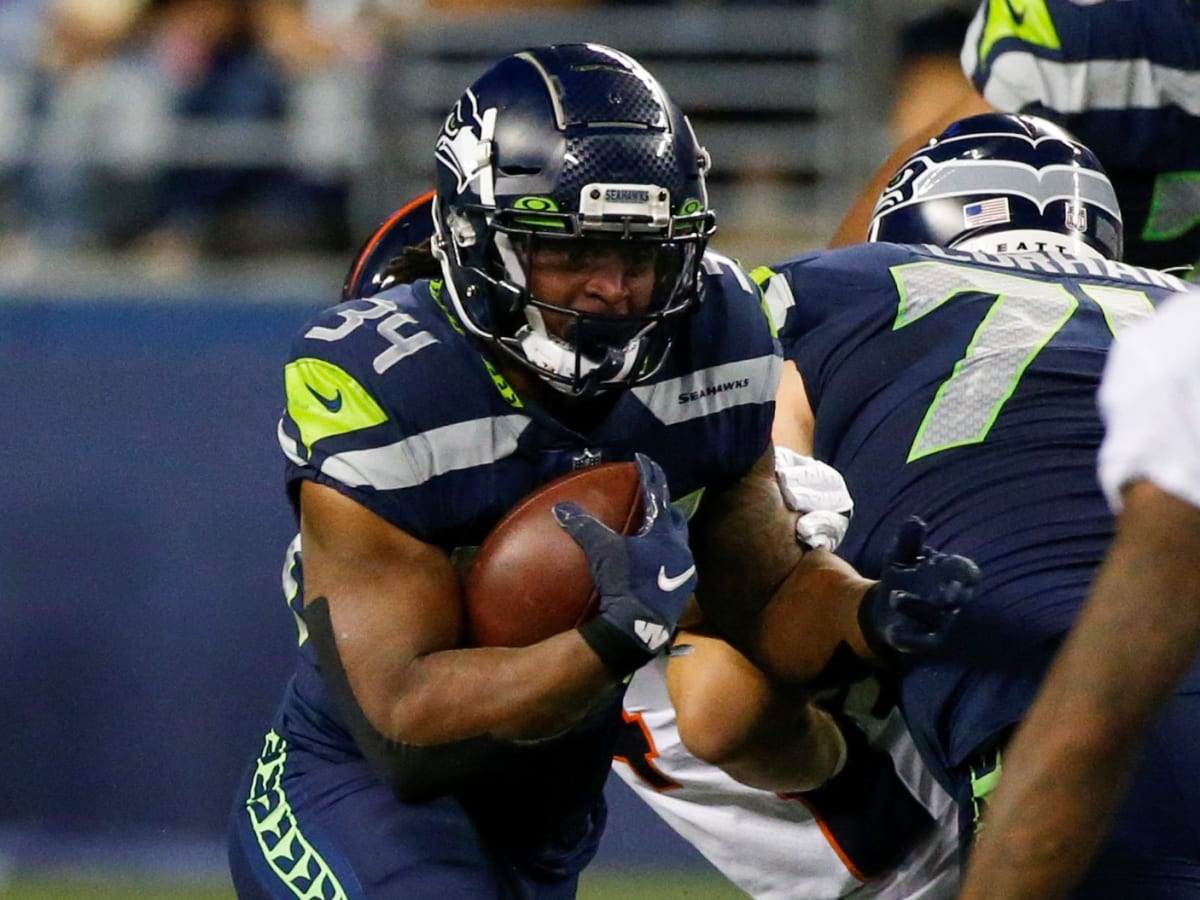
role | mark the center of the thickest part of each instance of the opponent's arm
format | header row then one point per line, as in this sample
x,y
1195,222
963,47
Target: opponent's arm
x,y
730,715
1064,771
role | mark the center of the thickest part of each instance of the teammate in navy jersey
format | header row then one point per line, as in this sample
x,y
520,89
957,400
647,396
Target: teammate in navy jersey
x,y
958,380
577,319
1122,77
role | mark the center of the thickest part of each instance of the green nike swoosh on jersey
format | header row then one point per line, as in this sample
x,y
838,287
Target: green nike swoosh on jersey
x,y
325,400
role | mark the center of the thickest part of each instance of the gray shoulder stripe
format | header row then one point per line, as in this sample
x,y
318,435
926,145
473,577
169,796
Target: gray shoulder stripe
x,y
423,456
712,390
779,299
1020,78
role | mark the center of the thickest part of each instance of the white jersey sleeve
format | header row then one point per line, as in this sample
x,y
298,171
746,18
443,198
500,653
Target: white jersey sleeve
x,y
772,846
1150,400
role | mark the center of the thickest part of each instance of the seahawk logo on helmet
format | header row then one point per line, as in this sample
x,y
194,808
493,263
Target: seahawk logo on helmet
x,y
1001,183
461,146
564,143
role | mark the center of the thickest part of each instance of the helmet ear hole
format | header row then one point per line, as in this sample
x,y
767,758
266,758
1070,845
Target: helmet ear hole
x,y
997,174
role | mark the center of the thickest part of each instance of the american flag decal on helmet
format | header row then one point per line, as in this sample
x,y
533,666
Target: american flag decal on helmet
x,y
986,212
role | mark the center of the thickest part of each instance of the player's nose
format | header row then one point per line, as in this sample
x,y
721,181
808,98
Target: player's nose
x,y
608,285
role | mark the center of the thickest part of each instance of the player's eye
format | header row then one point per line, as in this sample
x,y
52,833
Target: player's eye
x,y
638,258
558,255
576,255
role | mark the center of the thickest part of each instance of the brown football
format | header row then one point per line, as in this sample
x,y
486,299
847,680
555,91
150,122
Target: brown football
x,y
530,580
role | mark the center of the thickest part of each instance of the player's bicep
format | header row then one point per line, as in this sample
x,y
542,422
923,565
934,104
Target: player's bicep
x,y
744,544
789,610
391,597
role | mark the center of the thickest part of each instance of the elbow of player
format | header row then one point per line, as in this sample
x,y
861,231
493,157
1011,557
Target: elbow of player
x,y
711,742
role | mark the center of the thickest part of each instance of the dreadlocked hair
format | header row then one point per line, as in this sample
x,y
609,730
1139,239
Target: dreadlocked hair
x,y
413,263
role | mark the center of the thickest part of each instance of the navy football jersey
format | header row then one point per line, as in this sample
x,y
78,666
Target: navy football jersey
x,y
393,404
1125,79
960,387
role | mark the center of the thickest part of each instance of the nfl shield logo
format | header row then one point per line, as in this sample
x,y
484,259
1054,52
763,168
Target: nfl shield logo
x,y
585,460
1077,218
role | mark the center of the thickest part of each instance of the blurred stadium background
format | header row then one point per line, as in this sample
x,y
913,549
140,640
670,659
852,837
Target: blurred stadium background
x,y
181,183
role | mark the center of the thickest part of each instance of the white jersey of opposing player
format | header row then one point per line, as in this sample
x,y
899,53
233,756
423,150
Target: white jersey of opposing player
x,y
772,846
1153,372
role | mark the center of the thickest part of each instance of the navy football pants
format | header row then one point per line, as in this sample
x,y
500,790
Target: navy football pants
x,y
323,826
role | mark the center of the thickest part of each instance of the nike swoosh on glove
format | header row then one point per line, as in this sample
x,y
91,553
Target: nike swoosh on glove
x,y
644,580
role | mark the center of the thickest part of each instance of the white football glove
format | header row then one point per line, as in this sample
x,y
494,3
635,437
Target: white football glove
x,y
818,492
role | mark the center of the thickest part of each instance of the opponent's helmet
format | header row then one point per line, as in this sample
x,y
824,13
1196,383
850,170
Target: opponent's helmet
x,y
1002,183
409,226
560,143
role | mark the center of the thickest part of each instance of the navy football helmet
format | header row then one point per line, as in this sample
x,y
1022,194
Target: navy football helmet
x,y
1002,183
565,143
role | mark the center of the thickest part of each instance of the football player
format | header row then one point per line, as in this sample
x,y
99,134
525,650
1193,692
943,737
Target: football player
x,y
576,318
1122,77
950,367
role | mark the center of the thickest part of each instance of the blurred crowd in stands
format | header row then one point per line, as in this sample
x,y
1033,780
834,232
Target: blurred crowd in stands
x,y
219,129
180,126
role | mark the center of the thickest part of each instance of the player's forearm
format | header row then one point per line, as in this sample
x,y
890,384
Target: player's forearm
x,y
811,621
522,693
1059,786
456,694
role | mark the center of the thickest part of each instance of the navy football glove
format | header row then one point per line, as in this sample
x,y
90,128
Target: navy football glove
x,y
644,580
918,597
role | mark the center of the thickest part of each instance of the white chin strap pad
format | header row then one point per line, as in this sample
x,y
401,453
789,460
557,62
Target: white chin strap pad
x,y
557,357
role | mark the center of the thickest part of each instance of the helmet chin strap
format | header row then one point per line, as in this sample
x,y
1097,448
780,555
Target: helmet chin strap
x,y
557,357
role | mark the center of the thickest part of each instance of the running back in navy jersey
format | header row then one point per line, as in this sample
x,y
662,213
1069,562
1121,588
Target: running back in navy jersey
x,y
392,404
961,387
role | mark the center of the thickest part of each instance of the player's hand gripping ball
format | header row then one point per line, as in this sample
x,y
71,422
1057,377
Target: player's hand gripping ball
x,y
530,580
